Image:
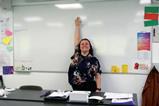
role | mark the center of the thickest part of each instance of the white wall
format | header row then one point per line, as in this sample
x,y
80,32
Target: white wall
x,y
46,80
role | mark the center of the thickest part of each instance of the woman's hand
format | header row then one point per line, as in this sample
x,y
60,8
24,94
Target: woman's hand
x,y
97,90
78,22
78,80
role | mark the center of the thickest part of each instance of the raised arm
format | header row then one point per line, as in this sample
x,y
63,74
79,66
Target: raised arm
x,y
77,31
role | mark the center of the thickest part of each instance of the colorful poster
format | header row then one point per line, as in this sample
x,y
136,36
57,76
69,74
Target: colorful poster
x,y
143,41
8,70
143,62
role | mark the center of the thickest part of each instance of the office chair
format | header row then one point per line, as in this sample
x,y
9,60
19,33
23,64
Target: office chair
x,y
1,82
30,87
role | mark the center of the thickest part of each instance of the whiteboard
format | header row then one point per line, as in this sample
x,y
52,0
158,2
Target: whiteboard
x,y
47,43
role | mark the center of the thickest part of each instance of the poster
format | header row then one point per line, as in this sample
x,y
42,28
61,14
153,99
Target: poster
x,y
8,70
143,62
143,41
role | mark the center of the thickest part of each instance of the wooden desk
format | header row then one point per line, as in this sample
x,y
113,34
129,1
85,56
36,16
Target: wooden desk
x,y
33,98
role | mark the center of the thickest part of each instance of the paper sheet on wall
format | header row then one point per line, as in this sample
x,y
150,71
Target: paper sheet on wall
x,y
1,71
155,32
5,58
155,52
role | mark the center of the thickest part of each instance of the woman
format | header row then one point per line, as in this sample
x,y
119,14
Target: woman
x,y
84,71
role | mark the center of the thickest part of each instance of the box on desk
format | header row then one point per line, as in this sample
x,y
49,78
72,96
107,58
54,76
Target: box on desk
x,y
79,96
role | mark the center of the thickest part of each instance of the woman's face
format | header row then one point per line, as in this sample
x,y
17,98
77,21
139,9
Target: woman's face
x,y
84,46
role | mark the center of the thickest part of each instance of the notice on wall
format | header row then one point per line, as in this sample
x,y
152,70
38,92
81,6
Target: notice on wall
x,y
143,41
8,70
155,34
155,52
143,60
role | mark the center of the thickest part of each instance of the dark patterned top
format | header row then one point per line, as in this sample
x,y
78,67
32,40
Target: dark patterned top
x,y
84,67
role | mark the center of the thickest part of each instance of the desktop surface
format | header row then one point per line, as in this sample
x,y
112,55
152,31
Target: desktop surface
x,y
25,95
32,98
31,103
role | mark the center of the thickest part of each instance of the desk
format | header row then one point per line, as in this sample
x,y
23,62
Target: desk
x,y
32,98
25,95
31,103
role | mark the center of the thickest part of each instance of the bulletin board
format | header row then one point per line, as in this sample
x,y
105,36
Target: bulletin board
x,y
6,42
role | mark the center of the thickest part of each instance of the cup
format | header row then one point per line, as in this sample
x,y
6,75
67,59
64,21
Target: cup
x,y
125,68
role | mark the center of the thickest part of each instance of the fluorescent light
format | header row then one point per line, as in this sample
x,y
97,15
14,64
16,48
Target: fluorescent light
x,y
69,6
145,1
33,19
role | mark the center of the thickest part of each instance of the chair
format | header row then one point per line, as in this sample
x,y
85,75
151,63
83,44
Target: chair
x,y
30,87
1,82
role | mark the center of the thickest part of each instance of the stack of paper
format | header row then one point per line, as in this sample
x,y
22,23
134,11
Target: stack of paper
x,y
59,94
96,98
119,97
81,92
110,95
122,100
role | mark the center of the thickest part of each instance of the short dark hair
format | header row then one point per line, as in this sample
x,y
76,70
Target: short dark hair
x,y
91,48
